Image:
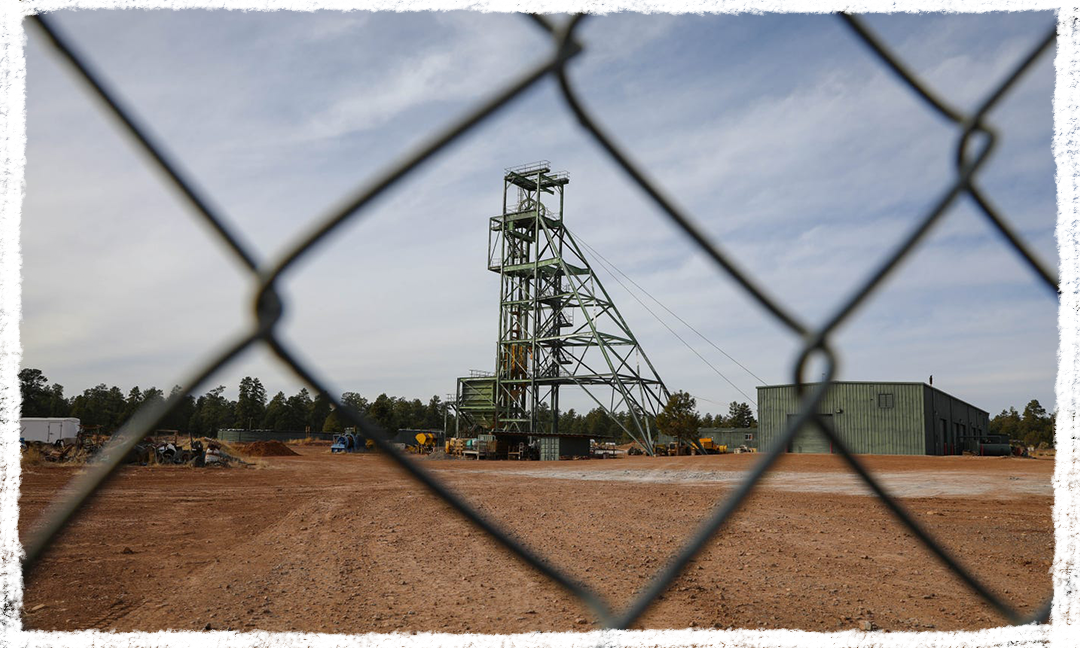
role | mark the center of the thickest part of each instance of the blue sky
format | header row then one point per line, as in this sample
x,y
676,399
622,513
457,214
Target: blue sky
x,y
782,136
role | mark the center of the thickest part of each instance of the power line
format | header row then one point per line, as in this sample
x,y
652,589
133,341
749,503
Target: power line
x,y
707,400
672,313
606,263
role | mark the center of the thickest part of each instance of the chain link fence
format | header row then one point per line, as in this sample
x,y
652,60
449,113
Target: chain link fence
x,y
975,141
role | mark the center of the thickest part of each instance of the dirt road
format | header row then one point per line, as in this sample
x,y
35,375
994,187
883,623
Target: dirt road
x,y
347,544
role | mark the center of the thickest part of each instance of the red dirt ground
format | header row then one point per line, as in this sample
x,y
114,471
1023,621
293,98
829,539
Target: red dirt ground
x,y
348,544
264,449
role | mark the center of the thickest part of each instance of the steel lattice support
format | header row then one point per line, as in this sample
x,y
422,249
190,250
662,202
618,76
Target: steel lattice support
x,y
557,324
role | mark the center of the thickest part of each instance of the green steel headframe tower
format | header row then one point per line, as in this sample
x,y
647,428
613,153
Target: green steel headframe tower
x,y
557,324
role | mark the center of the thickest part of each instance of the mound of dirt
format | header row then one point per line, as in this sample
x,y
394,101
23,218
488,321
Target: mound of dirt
x,y
265,449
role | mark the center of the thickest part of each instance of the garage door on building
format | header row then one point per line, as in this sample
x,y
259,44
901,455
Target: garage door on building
x,y
809,439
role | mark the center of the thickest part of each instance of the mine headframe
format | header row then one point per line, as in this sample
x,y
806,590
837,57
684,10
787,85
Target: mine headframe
x,y
557,325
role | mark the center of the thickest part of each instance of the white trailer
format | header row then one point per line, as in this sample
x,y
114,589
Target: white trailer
x,y
48,430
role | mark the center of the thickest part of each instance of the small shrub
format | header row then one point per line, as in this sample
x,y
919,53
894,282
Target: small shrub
x,y
32,457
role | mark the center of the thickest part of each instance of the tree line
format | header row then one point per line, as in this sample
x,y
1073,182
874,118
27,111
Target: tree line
x,y
1035,427
597,423
107,408
681,420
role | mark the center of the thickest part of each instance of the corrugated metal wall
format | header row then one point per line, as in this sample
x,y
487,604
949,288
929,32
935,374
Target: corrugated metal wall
x,y
878,418
871,418
551,448
952,425
731,437
476,397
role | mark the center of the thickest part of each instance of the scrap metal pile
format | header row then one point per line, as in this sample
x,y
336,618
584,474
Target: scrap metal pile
x,y
195,453
151,451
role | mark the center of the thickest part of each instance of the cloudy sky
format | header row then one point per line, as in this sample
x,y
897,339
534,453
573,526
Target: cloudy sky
x,y
782,136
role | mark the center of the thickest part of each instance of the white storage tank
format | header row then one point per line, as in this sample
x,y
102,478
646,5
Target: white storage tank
x,y
48,430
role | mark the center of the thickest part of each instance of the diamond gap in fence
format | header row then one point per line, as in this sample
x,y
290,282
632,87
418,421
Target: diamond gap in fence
x,y
705,333
813,549
804,178
966,311
406,291
611,524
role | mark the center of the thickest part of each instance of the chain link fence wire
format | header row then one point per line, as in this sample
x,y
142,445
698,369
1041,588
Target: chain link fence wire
x,y
974,145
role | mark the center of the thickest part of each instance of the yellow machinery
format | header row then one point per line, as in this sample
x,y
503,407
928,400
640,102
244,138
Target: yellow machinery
x,y
675,449
455,447
425,443
484,446
711,446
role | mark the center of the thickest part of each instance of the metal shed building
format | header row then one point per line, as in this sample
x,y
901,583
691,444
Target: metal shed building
x,y
731,437
877,418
